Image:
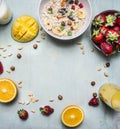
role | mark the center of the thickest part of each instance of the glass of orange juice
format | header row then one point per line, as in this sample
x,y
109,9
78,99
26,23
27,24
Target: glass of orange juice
x,y
110,95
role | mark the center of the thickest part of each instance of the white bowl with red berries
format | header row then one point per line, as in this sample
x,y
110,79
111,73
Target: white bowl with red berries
x,y
105,32
64,19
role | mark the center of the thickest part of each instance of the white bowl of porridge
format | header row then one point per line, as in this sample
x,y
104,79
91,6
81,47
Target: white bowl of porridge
x,y
64,19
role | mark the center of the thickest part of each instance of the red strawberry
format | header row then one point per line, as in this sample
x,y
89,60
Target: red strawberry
x,y
94,102
1,68
116,28
103,29
23,114
106,48
118,21
99,20
46,110
97,36
118,41
112,35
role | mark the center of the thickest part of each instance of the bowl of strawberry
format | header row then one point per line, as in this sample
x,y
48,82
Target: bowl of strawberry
x,y
105,32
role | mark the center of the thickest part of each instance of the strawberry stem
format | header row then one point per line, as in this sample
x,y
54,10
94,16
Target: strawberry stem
x,y
110,20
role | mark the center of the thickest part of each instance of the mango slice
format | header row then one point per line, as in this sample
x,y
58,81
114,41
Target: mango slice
x,y
24,29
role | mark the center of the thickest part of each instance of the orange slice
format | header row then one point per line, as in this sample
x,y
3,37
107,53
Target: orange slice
x,y
8,90
72,116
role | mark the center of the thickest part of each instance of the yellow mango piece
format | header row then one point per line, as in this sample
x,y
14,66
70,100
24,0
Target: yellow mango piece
x,y
24,29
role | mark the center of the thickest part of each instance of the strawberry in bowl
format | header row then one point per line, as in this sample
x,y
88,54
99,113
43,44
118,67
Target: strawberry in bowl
x,y
105,32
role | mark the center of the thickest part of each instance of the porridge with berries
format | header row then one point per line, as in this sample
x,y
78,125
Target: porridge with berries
x,y
63,17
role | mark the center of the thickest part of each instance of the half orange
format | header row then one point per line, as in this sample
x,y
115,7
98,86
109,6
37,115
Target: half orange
x,y
8,90
72,116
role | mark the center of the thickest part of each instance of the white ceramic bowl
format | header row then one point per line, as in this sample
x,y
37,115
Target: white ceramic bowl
x,y
88,10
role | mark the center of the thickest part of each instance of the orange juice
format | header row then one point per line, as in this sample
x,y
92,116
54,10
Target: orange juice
x,y
110,94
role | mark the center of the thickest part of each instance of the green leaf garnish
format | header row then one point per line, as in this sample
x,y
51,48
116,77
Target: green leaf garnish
x,y
62,27
71,13
69,32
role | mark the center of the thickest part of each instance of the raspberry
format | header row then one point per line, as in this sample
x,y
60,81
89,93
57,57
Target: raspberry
x,y
73,7
81,5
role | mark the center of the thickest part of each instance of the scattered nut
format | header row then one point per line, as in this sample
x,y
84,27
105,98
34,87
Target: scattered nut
x,y
28,102
106,74
33,111
43,35
93,83
8,71
35,46
78,43
4,50
94,94
4,56
107,64
12,68
40,28
60,97
9,45
33,99
1,47
51,100
19,56
30,95
83,52
19,86
20,48
99,69
21,102
20,82
10,54
38,41
81,47
92,50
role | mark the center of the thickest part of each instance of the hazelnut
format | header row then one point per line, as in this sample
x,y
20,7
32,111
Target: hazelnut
x,y
93,83
60,97
35,46
94,94
19,56
12,68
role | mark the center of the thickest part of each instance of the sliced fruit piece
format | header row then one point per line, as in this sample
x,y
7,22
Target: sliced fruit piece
x,y
72,116
81,13
24,29
116,101
8,90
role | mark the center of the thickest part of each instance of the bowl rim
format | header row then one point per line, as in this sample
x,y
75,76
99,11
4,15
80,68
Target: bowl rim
x,y
67,37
